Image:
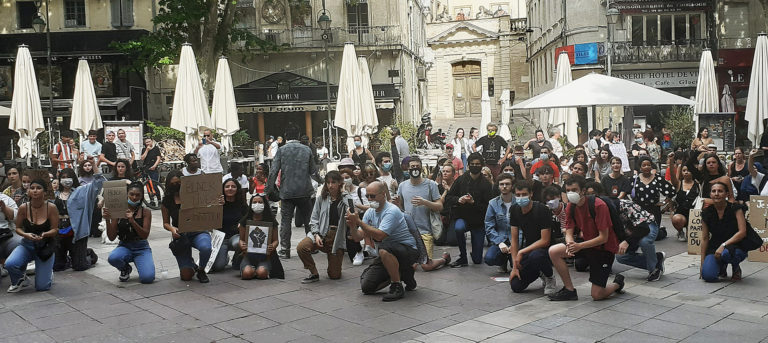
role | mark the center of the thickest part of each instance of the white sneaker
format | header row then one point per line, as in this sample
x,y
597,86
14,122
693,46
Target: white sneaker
x,y
21,284
681,235
550,284
358,260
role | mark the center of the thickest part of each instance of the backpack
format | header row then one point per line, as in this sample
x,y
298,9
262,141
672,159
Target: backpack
x,y
613,209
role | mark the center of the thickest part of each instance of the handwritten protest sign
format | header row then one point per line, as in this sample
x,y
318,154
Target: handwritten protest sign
x,y
116,197
258,237
694,232
758,218
200,208
217,241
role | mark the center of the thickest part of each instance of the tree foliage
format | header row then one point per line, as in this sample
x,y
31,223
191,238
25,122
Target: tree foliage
x,y
680,122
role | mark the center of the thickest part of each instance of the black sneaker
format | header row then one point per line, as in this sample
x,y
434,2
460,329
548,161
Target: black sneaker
x,y
284,254
202,276
619,279
125,274
396,292
723,272
655,275
461,262
660,258
410,282
311,278
564,295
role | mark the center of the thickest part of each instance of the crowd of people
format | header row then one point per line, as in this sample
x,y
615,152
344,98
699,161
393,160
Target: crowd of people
x,y
531,217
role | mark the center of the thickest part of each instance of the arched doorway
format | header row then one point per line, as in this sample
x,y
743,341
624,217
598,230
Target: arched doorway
x,y
467,89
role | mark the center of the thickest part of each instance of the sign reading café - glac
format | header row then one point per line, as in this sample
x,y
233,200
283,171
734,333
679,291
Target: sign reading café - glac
x,y
681,78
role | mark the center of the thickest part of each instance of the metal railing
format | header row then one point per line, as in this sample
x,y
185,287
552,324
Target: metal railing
x,y
735,43
680,51
310,37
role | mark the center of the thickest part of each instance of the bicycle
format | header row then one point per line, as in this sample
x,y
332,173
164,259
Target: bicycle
x,y
153,190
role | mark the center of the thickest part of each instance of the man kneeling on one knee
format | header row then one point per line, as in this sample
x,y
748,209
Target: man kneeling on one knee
x,y
385,223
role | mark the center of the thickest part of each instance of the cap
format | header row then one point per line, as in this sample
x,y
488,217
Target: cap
x,y
449,145
347,162
711,145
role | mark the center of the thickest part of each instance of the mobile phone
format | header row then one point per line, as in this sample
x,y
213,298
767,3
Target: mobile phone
x,y
351,205
205,141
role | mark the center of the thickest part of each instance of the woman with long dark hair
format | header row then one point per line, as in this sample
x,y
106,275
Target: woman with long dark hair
x,y
123,170
70,252
688,189
132,228
601,164
702,140
259,266
85,172
738,169
182,243
235,209
647,189
461,147
725,222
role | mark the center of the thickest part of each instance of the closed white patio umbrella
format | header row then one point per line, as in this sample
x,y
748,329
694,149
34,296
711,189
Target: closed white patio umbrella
x,y
505,113
224,109
706,87
348,102
370,122
26,113
757,100
566,119
485,113
85,109
190,109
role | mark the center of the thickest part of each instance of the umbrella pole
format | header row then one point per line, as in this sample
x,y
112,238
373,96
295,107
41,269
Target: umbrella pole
x,y
594,117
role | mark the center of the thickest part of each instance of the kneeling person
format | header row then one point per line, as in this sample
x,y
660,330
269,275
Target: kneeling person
x,y
385,223
530,259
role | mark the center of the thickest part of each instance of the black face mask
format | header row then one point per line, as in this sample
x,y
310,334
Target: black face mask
x,y
475,169
174,188
415,172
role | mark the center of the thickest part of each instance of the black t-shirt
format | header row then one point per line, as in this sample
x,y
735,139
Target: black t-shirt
x,y
233,213
537,219
613,187
152,156
110,151
333,217
493,148
538,191
536,148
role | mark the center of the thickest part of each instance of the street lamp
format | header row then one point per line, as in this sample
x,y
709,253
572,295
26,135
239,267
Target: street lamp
x,y
38,24
612,16
324,22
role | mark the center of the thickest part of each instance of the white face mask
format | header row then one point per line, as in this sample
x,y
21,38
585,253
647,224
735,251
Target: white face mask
x,y
373,204
257,207
348,181
553,204
573,197
66,182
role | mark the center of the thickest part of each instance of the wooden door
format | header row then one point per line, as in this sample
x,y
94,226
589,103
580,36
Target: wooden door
x,y
460,96
467,89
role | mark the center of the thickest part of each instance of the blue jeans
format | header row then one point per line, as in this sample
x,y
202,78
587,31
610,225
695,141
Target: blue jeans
x,y
464,161
647,259
137,252
17,265
478,240
200,241
711,267
531,266
494,256
222,258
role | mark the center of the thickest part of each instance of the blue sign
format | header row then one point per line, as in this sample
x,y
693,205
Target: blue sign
x,y
585,53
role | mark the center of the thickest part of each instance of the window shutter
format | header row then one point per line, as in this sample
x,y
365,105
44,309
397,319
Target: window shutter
x,y
127,13
115,8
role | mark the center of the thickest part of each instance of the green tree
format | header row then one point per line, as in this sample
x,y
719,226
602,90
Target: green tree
x,y
680,122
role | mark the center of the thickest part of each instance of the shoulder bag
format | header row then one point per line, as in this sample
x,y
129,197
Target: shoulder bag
x,y
435,220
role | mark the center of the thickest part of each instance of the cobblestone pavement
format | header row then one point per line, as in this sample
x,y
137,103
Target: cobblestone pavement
x,y
449,305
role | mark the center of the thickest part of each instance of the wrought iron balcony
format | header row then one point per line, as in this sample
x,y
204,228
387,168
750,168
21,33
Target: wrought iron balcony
x,y
677,51
735,43
309,37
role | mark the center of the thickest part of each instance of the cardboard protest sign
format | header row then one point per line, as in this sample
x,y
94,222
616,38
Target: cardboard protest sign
x,y
694,232
258,236
116,197
200,208
217,241
758,218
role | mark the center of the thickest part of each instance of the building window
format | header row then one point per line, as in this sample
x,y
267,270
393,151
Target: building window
x,y
357,16
666,29
26,11
122,13
74,13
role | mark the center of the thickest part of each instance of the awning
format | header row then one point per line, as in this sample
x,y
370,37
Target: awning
x,y
63,107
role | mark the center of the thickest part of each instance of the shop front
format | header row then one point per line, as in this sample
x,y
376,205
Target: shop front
x,y
734,69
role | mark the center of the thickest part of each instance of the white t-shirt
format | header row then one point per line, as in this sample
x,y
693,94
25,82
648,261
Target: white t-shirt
x,y
322,152
210,160
387,180
242,180
4,223
273,149
186,172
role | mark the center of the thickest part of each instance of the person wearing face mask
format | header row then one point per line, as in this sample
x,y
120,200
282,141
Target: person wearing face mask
x,y
546,178
132,228
72,251
384,161
495,149
553,199
359,153
357,194
515,167
599,246
544,161
235,208
497,225
21,195
531,228
536,143
259,266
468,199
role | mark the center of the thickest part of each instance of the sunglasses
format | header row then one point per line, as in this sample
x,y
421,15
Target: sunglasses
x,y
371,196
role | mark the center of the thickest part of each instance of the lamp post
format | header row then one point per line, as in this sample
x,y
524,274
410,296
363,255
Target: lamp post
x,y
612,17
324,22
39,24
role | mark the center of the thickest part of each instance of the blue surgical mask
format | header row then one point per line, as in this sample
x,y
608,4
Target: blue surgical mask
x,y
523,201
386,167
358,143
544,157
134,204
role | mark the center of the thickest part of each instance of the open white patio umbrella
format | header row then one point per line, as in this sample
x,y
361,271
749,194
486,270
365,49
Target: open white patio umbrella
x,y
485,110
706,87
505,113
85,109
726,102
348,100
26,113
370,122
190,109
757,100
566,119
224,109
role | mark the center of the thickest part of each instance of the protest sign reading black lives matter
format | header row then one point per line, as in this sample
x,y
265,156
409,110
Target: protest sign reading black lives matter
x,y
758,218
200,207
116,197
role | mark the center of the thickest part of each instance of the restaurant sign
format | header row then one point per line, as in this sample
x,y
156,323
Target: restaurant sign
x,y
676,78
654,6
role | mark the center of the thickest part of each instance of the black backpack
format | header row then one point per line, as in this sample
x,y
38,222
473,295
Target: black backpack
x,y
613,208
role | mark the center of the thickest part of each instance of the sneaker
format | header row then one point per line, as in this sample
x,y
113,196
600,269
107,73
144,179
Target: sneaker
x,y
461,262
654,275
202,276
311,278
550,284
125,274
503,269
619,279
660,258
396,292
410,283
736,274
21,284
564,295
284,254
681,235
723,272
358,260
